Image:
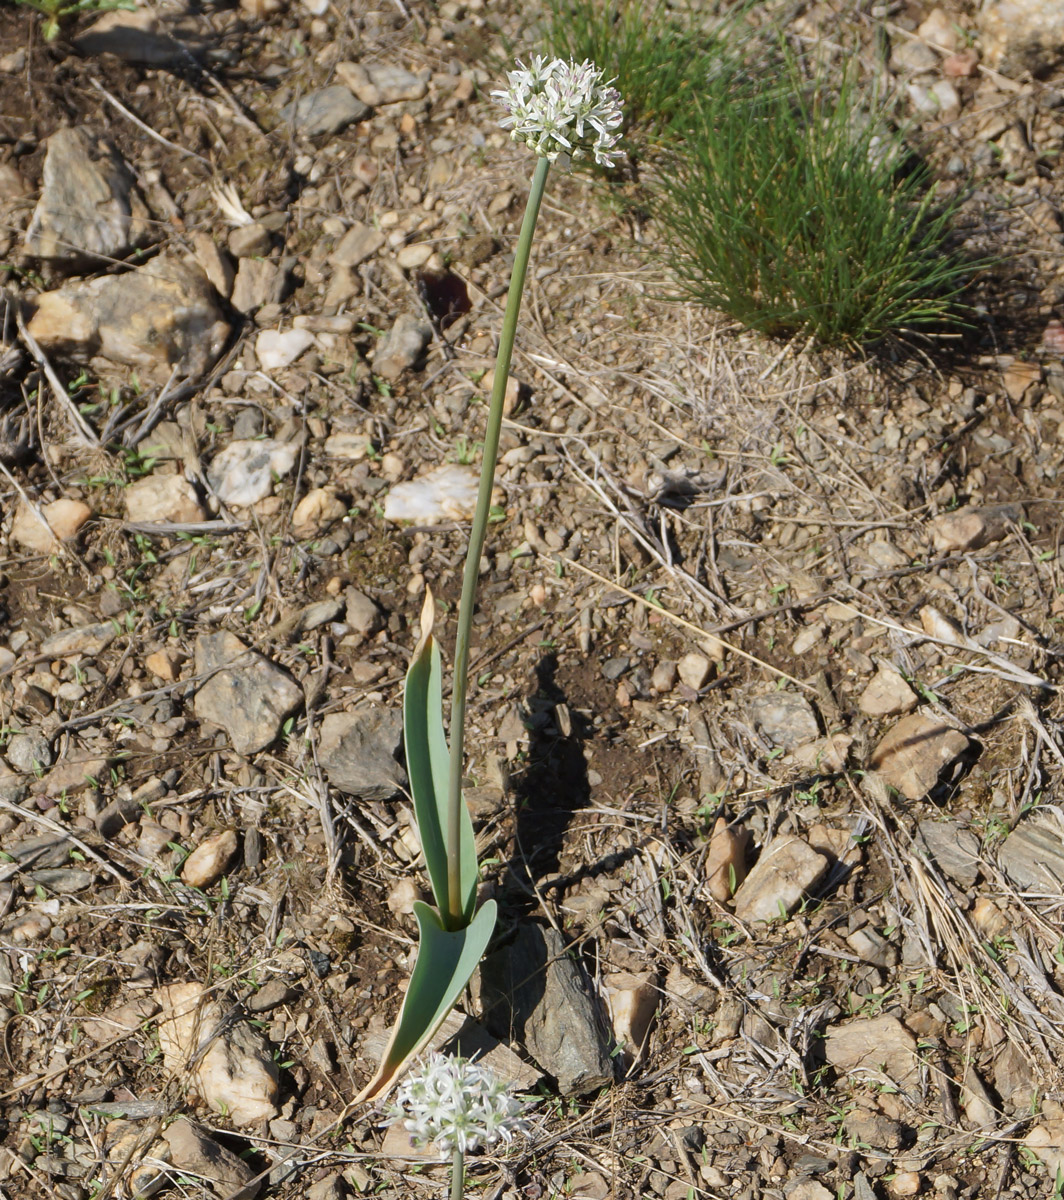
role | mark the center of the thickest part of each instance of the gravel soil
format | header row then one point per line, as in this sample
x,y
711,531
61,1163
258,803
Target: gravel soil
x,y
765,731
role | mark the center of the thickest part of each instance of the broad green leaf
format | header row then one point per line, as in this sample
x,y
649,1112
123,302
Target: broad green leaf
x,y
446,960
427,764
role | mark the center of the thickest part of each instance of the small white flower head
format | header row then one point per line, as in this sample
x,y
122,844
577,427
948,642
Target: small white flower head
x,y
457,1104
562,110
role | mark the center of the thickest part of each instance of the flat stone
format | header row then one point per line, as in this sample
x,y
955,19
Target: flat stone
x,y
244,472
249,697
194,1151
236,1074
873,1050
953,847
161,315
358,243
74,775
258,281
726,860
324,112
914,752
163,499
63,520
210,860
86,639
887,694
781,879
90,211
350,446
62,881
1014,1080
447,493
1033,854
247,241
361,613
784,718
271,995
402,346
380,83
973,528
357,750
1047,1141
532,992
870,947
139,37
694,670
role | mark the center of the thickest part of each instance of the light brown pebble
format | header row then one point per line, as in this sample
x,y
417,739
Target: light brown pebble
x,y
905,1183
208,862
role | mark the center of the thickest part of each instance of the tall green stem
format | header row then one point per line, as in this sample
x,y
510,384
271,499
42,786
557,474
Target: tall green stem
x,y
458,1163
454,915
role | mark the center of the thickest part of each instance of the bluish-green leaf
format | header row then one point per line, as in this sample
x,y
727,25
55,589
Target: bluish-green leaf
x,y
446,960
427,762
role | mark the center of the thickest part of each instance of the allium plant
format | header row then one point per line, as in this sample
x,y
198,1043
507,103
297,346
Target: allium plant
x,y
458,1105
564,112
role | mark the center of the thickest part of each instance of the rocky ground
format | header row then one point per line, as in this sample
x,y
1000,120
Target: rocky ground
x,y
766,740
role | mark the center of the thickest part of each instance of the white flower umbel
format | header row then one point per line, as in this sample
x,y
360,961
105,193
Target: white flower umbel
x,y
562,110
457,1104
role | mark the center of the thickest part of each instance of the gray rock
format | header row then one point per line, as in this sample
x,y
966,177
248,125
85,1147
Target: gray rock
x,y
358,243
1033,854
873,1129
63,881
1023,35
47,850
244,472
532,992
86,639
270,995
138,37
324,112
362,614
30,752
784,718
782,877
870,947
90,209
116,816
953,847
259,281
874,1050
13,787
357,752
321,613
247,241
193,1151
913,57
914,753
250,697
163,314
380,83
1014,1080
332,1187
402,346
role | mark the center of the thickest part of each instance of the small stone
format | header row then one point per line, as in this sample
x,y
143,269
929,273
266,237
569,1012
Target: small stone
x,y
246,694
258,282
905,1183
330,1188
271,995
358,243
1022,35
250,241
1033,853
784,718
380,83
979,1109
163,500
410,258
809,1189
1018,377
781,879
726,860
324,112
244,472
961,65
210,860
350,446
953,847
398,1143
938,30
664,676
887,694
874,1049
235,1075
873,1129
30,752
973,528
275,350
164,664
135,37
112,819
915,752
402,346
90,211
357,751
319,508
63,520
913,57
447,493
214,263
362,614
694,670
871,948
403,896
86,639
633,1001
